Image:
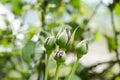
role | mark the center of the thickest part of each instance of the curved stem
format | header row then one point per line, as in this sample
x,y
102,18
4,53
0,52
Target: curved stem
x,y
73,69
57,71
46,69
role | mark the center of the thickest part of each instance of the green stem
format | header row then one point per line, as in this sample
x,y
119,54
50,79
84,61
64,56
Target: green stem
x,y
46,69
73,69
57,71
115,36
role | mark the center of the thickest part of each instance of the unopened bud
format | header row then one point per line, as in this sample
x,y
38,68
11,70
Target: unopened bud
x,y
63,38
50,44
81,48
60,56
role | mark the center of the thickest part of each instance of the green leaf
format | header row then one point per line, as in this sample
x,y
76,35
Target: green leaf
x,y
75,77
117,78
6,37
5,1
72,37
73,24
56,4
79,33
32,31
96,35
117,9
110,43
38,50
16,7
75,3
28,51
53,25
83,72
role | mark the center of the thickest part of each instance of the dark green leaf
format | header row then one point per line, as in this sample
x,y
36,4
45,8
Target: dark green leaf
x,y
16,7
53,25
72,37
73,25
28,51
75,3
56,3
83,73
117,9
110,43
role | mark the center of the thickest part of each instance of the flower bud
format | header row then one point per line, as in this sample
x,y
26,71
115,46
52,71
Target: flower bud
x,y
60,56
81,48
50,44
63,38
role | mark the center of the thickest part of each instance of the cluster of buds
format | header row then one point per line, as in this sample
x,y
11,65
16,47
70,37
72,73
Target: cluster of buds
x,y
63,40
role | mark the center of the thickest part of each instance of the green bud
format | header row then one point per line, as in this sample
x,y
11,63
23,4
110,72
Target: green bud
x,y
63,38
81,48
50,44
60,56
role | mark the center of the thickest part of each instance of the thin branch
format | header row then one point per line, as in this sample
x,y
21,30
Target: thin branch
x,y
110,65
107,62
94,12
101,74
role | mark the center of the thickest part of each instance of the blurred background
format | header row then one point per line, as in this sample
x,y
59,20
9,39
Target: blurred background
x,y
25,20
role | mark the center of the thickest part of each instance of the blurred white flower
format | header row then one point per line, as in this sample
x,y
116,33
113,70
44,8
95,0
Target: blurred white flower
x,y
107,2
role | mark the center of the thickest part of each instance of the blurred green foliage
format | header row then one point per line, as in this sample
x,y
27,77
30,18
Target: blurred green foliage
x,y
28,66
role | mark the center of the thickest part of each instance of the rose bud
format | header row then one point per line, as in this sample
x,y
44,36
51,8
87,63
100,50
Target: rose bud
x,y
63,38
81,48
60,56
50,44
